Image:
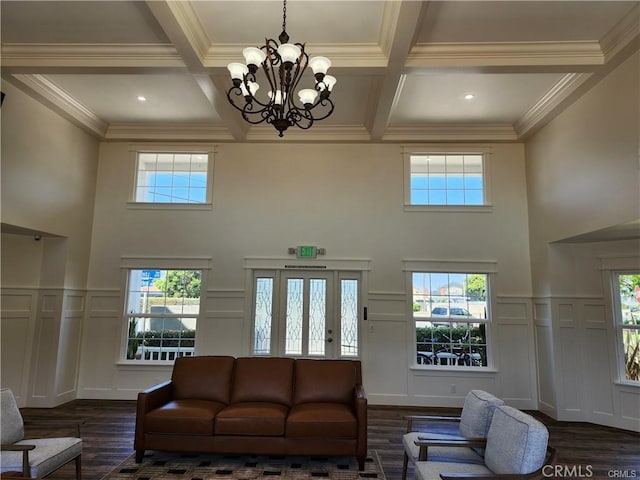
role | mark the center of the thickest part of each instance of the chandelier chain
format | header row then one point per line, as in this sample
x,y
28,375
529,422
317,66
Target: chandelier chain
x,y
284,15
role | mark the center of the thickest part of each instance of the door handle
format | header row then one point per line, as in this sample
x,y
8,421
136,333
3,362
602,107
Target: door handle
x,y
329,340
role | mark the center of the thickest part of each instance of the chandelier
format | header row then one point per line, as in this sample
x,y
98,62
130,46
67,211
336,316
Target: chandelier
x,y
283,66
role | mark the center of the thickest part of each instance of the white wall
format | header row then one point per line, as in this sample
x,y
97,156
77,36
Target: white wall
x,y
345,198
582,176
48,181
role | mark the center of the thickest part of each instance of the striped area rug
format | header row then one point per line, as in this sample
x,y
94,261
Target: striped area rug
x,y
177,466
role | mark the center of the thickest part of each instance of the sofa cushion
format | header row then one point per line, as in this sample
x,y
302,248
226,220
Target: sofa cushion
x,y
204,378
252,418
322,420
191,417
324,381
517,442
262,379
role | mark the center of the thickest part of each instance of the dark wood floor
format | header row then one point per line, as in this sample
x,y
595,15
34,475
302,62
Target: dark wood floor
x,y
108,428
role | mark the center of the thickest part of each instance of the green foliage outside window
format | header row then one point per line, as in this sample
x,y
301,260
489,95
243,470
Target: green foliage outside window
x,y
180,283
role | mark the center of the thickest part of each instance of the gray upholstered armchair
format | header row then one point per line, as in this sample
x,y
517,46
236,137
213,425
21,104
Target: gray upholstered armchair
x,y
35,458
473,422
516,447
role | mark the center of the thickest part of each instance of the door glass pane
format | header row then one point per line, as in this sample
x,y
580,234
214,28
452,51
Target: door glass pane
x,y
317,315
263,316
349,317
295,304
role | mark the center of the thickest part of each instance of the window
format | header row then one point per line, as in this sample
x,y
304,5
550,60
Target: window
x,y
446,179
450,312
174,178
162,310
627,308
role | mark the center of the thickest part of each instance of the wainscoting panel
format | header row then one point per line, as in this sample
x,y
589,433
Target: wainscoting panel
x,y
18,314
45,347
69,345
543,336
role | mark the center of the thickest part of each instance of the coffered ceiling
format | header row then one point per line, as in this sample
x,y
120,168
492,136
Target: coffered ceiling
x,y
403,66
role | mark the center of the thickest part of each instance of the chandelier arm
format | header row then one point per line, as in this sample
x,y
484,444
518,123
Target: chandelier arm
x,y
300,69
323,102
296,118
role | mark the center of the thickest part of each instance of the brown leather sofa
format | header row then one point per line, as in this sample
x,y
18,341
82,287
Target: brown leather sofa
x,y
256,405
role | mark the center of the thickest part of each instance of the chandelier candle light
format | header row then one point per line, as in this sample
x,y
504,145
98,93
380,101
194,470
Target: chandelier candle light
x,y
283,65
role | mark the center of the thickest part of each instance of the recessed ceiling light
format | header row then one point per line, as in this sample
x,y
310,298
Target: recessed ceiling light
x,y
142,98
469,96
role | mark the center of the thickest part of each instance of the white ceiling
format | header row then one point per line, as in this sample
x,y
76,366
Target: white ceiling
x,y
403,67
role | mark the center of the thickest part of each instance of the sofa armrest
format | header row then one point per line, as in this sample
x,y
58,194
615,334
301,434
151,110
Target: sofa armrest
x,y
360,407
148,400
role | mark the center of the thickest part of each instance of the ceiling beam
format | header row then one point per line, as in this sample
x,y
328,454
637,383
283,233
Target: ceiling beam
x,y
402,19
180,22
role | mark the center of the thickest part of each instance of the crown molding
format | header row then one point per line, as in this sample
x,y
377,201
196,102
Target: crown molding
x,y
545,106
622,34
450,133
61,101
168,132
354,55
86,56
505,54
318,133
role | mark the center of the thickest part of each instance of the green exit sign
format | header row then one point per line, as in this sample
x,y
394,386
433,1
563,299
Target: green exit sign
x,y
307,251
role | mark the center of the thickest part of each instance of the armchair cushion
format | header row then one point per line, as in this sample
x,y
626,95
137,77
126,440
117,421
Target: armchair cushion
x,y
11,423
477,413
432,470
49,455
517,442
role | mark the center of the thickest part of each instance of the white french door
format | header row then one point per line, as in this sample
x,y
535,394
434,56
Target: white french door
x,y
306,313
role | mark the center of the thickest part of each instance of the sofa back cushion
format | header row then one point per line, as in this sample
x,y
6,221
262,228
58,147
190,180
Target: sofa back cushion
x,y
203,378
263,379
517,442
325,381
477,413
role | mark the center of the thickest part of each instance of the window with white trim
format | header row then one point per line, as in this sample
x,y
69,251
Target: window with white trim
x,y
451,316
162,310
172,177
627,314
445,179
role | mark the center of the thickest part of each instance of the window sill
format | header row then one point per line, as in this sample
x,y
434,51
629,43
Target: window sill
x,y
627,383
449,208
169,206
144,364
455,370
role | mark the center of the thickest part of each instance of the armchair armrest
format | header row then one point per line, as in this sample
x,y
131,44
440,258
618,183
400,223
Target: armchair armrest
x,y
549,460
425,442
481,476
411,419
25,455
55,424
